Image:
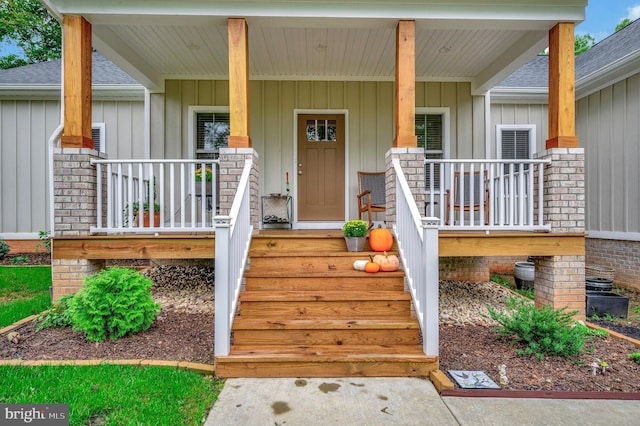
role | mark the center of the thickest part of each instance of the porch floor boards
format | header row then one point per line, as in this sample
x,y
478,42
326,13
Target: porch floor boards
x,y
306,313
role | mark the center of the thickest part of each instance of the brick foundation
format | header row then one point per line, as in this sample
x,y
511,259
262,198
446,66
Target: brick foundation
x,y
68,275
622,256
464,268
504,264
559,280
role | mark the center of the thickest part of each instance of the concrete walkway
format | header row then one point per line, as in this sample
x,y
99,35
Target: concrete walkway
x,y
397,401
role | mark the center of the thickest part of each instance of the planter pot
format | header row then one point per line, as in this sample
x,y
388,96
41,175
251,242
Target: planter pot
x,y
603,303
146,219
523,274
355,243
207,189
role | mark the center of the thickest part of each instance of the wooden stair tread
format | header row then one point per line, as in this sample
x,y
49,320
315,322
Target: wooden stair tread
x,y
324,296
317,253
333,273
241,323
327,353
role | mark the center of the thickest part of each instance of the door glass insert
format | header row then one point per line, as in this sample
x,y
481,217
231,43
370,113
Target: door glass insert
x,y
321,130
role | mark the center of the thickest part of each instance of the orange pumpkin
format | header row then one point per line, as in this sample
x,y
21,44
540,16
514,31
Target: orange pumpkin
x,y
380,239
387,262
372,267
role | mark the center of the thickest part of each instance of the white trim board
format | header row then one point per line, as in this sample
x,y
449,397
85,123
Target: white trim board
x,y
612,235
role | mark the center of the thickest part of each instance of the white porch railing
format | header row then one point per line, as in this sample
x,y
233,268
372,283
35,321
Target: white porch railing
x,y
486,194
417,241
166,189
233,238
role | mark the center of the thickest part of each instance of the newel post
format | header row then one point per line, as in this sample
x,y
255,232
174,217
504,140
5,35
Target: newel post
x,y
222,339
430,255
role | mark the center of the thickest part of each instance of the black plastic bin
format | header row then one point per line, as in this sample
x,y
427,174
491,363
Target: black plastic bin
x,y
602,303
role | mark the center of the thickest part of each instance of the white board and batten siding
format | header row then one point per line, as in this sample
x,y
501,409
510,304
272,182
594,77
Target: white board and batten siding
x,y
368,106
520,115
25,128
608,127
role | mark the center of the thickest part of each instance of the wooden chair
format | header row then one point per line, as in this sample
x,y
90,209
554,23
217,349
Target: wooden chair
x,y
371,196
466,197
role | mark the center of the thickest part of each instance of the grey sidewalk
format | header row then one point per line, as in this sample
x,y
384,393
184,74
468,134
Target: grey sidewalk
x,y
397,401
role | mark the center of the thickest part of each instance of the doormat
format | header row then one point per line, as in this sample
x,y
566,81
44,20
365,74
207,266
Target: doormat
x,y
473,379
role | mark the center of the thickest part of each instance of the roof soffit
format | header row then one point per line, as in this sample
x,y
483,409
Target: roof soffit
x,y
481,42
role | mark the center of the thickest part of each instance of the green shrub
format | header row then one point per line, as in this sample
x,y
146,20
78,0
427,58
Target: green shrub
x,y
545,331
45,241
635,357
4,249
113,303
59,315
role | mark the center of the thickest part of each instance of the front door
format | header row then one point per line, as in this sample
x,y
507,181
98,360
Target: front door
x,y
320,167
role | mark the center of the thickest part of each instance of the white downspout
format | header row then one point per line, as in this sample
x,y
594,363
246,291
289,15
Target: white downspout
x,y
53,139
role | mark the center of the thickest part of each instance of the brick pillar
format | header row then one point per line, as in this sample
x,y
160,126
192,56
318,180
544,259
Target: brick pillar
x,y
231,165
75,204
559,280
412,163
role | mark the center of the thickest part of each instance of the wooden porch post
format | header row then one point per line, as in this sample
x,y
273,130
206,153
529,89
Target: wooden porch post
x,y
77,83
405,87
239,83
562,107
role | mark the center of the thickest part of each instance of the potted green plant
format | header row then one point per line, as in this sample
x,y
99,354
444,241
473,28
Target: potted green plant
x,y
135,208
355,234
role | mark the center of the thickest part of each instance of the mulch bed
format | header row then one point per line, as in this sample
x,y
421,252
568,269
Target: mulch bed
x,y
479,348
173,336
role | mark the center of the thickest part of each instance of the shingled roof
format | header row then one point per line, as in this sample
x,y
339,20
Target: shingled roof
x,y
104,72
608,52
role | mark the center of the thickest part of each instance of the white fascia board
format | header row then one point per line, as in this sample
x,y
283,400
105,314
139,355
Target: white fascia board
x,y
558,10
118,92
520,95
52,92
29,92
612,73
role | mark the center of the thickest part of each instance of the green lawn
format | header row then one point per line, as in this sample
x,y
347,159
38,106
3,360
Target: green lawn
x,y
114,394
24,291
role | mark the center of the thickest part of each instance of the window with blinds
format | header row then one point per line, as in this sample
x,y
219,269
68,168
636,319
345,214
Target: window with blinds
x,y
515,145
212,133
430,137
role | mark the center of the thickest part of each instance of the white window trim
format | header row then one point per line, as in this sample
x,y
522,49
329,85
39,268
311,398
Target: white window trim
x,y
531,128
191,133
445,112
103,140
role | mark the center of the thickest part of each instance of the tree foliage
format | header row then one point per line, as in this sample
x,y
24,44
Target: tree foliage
x,y
28,25
623,23
583,43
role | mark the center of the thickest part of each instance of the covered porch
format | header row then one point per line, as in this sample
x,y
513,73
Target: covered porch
x,y
309,68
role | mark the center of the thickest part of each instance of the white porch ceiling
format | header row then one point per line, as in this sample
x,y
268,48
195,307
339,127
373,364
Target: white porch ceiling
x,y
480,42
